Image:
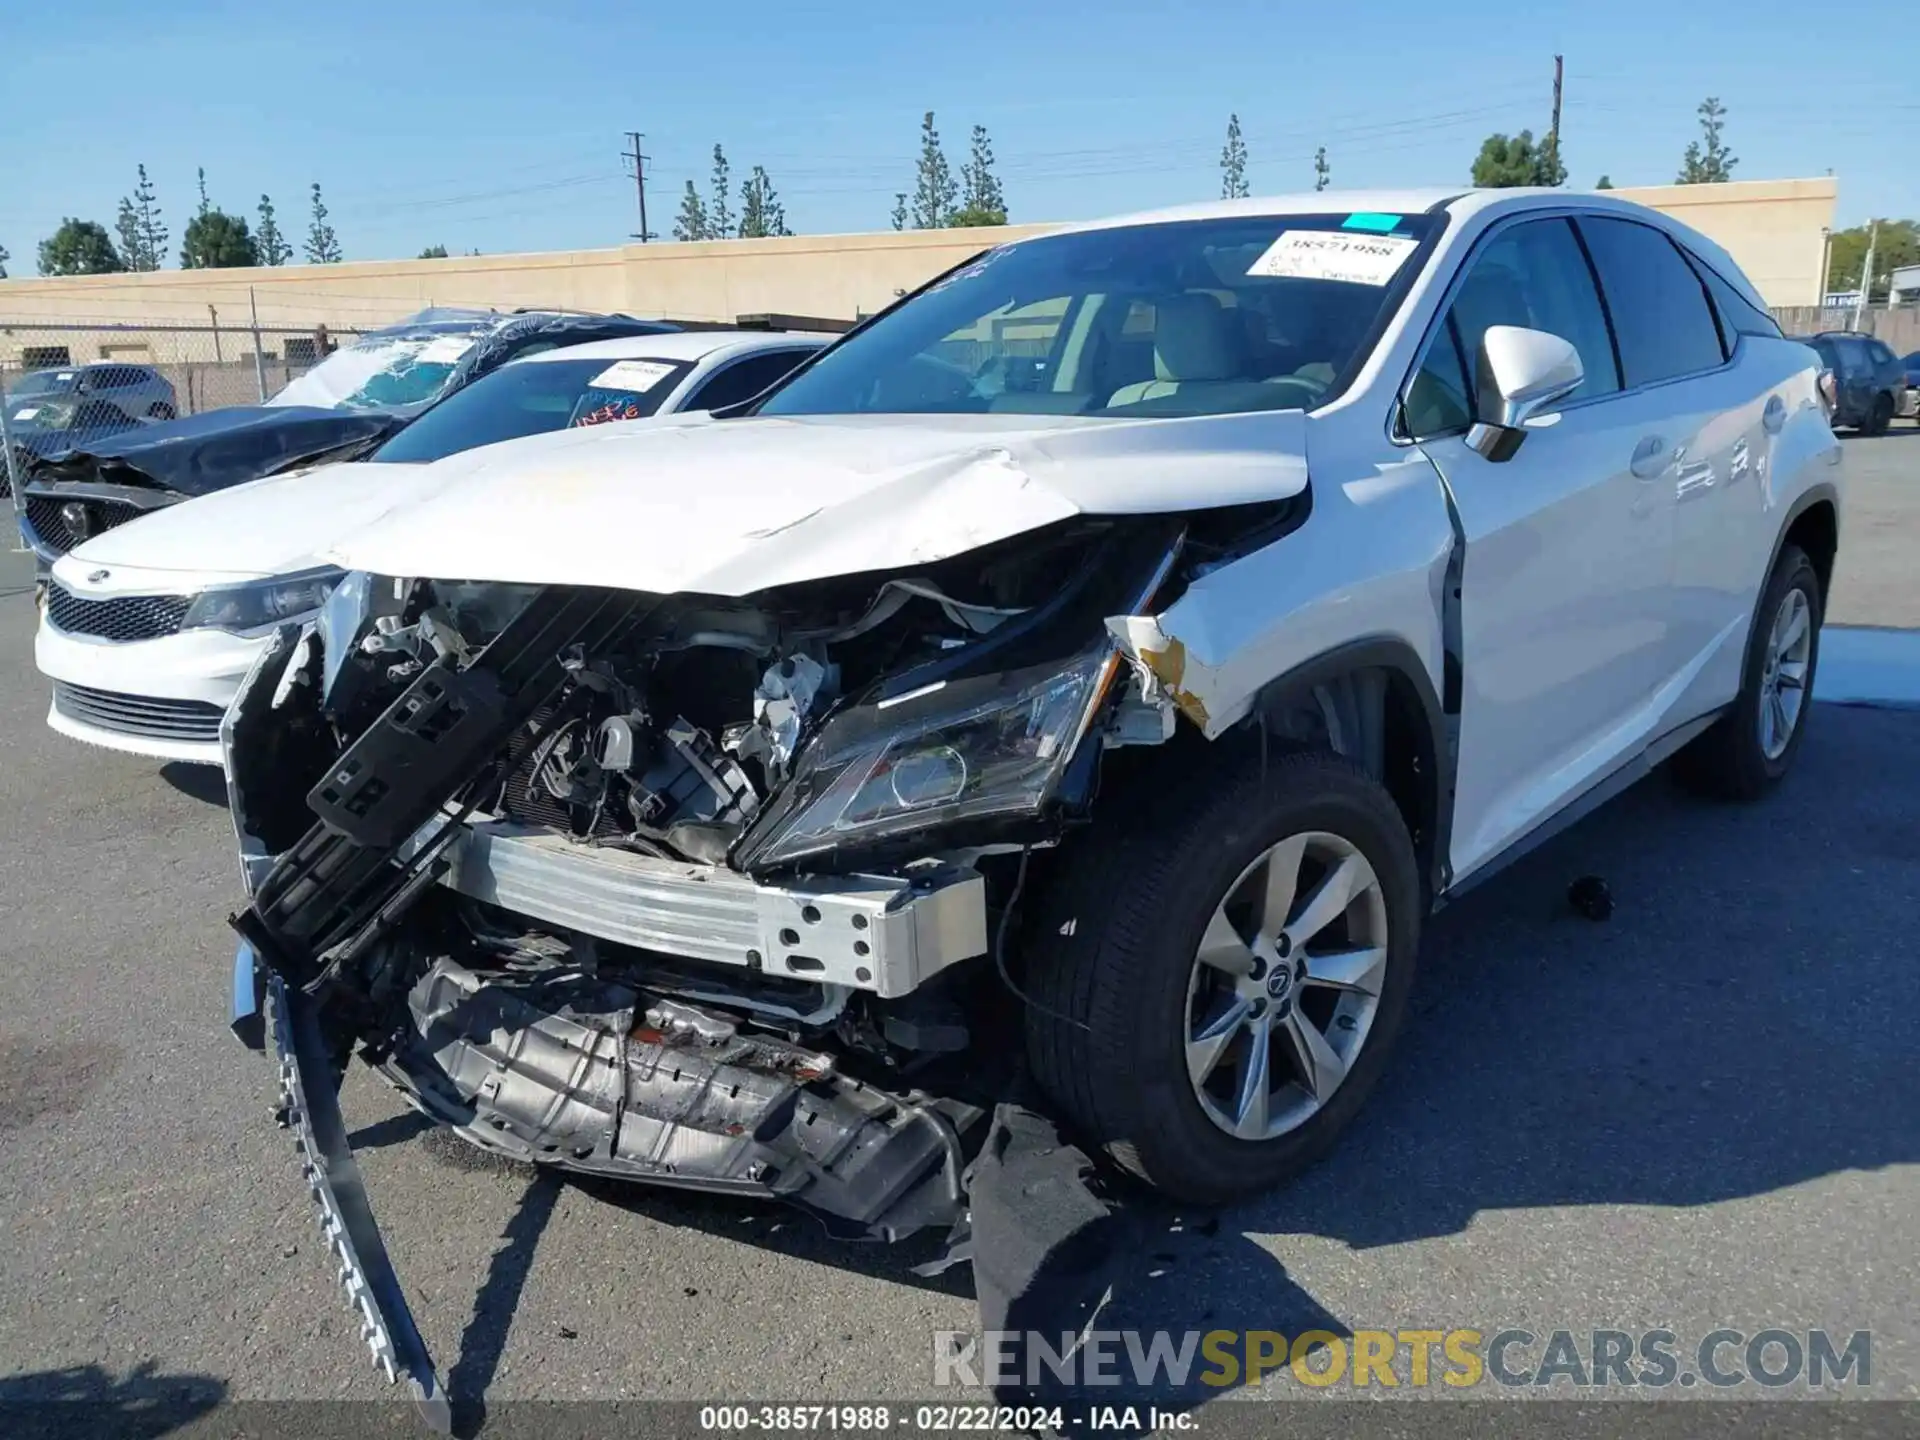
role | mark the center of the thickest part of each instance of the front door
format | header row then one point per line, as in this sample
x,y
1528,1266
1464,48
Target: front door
x,y
1567,577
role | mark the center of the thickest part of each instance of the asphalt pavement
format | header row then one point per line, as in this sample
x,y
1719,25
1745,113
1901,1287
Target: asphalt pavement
x,y
1697,1113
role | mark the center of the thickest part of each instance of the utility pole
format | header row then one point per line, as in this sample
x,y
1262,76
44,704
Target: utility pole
x,y
640,182
1553,130
1866,276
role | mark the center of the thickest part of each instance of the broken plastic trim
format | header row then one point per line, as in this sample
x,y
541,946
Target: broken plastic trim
x,y
312,1110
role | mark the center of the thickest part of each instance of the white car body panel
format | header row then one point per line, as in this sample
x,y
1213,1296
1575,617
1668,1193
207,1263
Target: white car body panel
x,y
757,503
281,525
275,526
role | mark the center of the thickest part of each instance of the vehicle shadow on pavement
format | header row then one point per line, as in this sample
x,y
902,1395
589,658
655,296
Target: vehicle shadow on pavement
x,y
86,1400
205,783
1736,1027
485,1338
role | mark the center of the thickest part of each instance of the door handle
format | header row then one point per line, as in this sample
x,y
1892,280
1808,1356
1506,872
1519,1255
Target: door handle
x,y
1649,457
1774,417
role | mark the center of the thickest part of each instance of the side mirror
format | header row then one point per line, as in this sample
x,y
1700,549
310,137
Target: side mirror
x,y
1523,374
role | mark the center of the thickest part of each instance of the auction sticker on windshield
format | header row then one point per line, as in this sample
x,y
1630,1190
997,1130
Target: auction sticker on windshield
x,y
1332,255
640,375
26,412
447,350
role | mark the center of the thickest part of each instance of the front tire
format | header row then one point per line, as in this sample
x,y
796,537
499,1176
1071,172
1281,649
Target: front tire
x,y
1219,978
1752,746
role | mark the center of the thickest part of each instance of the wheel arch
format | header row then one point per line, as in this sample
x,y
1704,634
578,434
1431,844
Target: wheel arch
x,y
1373,702
1813,523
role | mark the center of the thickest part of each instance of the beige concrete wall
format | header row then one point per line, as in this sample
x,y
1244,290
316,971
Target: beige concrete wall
x,y
837,276
1772,227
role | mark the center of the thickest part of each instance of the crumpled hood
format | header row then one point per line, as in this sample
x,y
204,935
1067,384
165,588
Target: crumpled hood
x,y
274,526
689,504
199,454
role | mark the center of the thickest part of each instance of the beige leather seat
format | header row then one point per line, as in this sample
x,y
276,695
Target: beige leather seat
x,y
1196,348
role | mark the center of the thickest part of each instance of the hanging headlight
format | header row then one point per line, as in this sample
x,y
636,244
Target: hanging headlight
x,y
992,745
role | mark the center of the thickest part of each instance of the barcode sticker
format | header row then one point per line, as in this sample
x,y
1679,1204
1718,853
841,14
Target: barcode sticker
x,y
1331,255
640,375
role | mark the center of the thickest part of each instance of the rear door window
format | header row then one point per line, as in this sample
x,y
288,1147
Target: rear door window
x,y
743,379
1661,318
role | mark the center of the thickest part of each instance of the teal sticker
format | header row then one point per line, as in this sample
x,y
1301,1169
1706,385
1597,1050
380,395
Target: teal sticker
x,y
1365,220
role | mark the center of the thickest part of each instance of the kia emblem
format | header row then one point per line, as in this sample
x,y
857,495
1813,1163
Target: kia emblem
x,y
98,576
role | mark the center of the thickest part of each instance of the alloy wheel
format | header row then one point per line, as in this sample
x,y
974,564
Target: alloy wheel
x,y
1783,680
1286,985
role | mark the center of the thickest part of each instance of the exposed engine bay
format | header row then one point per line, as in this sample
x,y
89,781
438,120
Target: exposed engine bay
x,y
692,890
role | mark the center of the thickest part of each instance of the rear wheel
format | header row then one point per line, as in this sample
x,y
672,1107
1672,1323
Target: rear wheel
x,y
1753,744
1881,416
1217,986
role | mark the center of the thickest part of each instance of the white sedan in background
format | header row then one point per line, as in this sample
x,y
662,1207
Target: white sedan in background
x,y
148,630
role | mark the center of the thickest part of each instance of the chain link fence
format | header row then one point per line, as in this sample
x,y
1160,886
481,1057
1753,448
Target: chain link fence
x,y
62,386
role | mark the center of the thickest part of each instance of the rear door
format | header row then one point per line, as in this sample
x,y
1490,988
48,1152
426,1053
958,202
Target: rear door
x,y
1854,377
1566,584
1713,416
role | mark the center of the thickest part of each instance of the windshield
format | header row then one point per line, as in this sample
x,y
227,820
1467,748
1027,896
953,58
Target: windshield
x,y
381,372
78,417
48,382
1198,317
531,397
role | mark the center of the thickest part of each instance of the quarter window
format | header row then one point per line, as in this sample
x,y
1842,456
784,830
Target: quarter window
x,y
1440,397
1738,314
1659,306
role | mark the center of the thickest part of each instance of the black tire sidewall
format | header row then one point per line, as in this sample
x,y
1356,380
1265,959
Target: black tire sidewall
x,y
1793,570
1880,418
1155,1123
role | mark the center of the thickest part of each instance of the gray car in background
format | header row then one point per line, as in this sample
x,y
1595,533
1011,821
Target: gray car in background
x,y
49,411
1870,382
138,391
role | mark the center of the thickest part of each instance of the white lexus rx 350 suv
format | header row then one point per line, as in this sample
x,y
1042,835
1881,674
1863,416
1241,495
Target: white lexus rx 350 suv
x,y
147,629
1045,719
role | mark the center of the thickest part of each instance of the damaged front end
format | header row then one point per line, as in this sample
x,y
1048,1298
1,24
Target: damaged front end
x,y
692,890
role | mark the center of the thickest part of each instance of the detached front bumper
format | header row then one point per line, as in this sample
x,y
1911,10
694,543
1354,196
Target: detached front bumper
x,y
310,1108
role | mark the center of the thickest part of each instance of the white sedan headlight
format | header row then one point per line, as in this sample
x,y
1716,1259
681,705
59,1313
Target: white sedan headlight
x,y
261,603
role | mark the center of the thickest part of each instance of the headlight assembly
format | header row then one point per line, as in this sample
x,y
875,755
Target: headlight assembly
x,y
260,603
993,745
343,616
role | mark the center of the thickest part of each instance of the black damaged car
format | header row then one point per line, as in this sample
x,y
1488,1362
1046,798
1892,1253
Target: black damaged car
x,y
351,402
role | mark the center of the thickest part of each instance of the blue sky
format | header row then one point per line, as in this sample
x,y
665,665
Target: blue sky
x,y
498,126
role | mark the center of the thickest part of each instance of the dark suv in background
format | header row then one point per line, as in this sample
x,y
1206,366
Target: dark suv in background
x,y
1870,381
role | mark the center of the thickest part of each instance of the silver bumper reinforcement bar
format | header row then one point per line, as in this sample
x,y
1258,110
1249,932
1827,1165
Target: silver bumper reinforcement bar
x,y
886,934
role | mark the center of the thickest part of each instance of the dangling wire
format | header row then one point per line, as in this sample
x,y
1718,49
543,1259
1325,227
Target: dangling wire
x,y
1000,949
